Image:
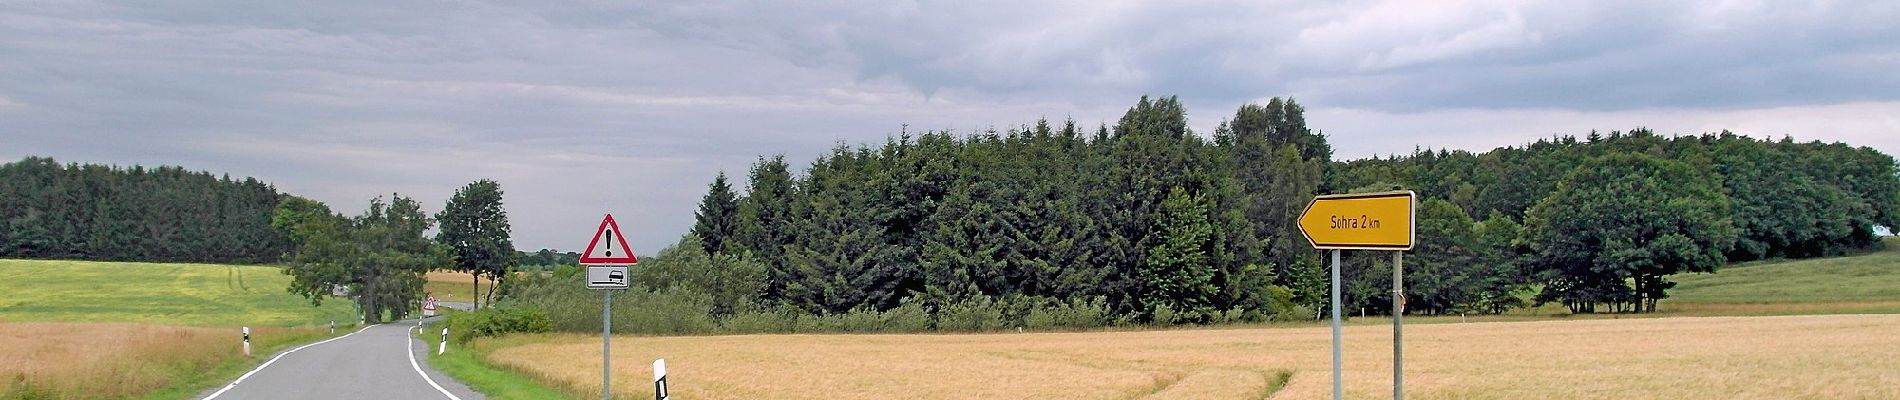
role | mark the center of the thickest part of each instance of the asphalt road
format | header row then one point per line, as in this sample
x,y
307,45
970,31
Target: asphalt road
x,y
376,362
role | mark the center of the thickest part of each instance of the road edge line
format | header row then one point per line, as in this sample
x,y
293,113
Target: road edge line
x,y
410,343
273,360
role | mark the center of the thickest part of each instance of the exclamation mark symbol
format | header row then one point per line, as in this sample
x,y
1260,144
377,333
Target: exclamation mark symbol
x,y
610,243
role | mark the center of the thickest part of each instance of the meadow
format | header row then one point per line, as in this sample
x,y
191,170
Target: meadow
x,y
157,293
83,330
1868,283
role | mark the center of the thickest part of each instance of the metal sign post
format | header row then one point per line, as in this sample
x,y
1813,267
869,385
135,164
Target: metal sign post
x,y
608,278
1398,328
1339,387
1366,221
607,345
608,271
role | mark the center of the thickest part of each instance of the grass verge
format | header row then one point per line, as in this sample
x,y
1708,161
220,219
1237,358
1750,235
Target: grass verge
x,y
465,363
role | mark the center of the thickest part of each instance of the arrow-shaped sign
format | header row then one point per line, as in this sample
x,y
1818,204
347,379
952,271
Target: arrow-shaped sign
x,y
1368,221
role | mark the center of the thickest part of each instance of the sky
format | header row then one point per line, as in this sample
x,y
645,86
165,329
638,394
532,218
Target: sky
x,y
585,108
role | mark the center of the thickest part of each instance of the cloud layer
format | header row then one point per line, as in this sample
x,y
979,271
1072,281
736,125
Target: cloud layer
x,y
630,107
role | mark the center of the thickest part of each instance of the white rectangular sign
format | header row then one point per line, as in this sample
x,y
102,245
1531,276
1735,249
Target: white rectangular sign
x,y
607,276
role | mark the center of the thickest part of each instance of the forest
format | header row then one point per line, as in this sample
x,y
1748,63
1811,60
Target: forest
x,y
100,212
1161,224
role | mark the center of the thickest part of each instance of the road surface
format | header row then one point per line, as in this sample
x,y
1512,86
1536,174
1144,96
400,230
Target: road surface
x,y
377,362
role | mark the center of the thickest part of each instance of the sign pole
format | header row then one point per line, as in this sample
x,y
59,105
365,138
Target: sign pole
x,y
607,272
606,345
1339,387
1398,326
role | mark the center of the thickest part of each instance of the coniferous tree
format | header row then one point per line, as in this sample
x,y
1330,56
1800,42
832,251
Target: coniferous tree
x,y
717,222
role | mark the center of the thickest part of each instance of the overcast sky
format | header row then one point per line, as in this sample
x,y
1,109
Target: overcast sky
x,y
629,107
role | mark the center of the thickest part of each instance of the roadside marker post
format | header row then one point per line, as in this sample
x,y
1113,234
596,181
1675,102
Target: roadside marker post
x,y
659,380
333,327
247,341
445,342
1383,221
608,260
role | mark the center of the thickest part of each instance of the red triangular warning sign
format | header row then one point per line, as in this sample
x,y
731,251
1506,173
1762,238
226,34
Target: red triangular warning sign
x,y
614,250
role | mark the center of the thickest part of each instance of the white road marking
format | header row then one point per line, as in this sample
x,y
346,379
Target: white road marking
x,y
273,360
412,364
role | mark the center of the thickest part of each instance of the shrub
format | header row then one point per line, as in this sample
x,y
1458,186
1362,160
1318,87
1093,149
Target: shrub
x,y
762,321
861,319
1075,314
670,311
908,317
978,313
819,323
1164,315
466,326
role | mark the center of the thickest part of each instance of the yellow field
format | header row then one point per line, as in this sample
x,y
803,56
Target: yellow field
x,y
1822,357
452,286
114,360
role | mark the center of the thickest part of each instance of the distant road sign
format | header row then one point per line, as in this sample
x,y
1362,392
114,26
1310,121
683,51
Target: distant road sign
x,y
1368,221
609,245
607,276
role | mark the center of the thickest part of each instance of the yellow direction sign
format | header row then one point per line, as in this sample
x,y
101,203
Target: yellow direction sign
x,y
1366,221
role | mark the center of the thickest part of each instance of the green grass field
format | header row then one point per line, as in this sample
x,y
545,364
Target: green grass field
x,y
1867,277
166,294
1865,283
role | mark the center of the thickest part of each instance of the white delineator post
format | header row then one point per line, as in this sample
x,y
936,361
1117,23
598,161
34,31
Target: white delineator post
x,y
333,327
659,379
247,341
445,342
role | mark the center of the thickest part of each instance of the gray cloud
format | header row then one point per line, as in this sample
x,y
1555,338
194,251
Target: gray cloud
x,y
631,107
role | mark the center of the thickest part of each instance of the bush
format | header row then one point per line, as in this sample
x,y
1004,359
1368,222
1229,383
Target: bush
x,y
820,323
975,314
670,311
1164,315
861,319
466,326
909,317
1075,314
762,321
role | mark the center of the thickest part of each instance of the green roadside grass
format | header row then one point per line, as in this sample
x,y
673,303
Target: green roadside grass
x,y
466,364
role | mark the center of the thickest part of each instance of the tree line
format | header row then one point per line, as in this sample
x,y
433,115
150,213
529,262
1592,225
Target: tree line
x,y
1602,220
1144,216
1161,224
101,212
